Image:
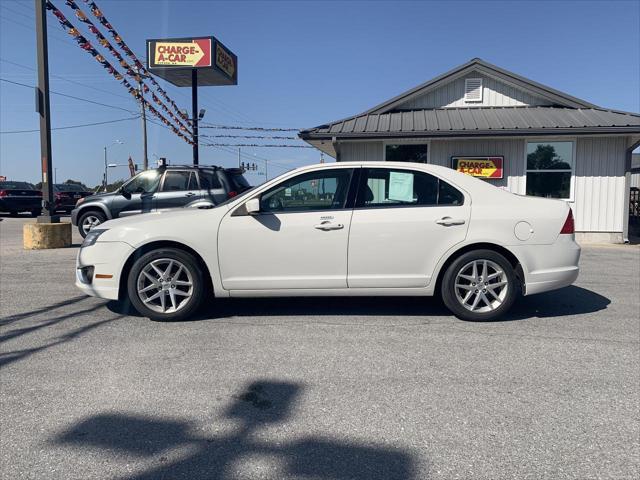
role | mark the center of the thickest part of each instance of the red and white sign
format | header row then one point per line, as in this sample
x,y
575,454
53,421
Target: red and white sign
x,y
196,53
483,167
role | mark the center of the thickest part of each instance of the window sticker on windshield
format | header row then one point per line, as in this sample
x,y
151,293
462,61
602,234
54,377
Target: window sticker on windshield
x,y
401,186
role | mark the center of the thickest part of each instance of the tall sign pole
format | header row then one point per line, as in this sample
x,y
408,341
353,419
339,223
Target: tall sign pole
x,y
194,112
44,110
145,158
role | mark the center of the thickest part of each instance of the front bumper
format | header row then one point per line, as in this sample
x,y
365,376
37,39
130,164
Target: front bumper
x,y
107,260
74,216
549,267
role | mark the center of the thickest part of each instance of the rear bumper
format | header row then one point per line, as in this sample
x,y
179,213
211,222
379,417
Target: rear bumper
x,y
17,204
549,267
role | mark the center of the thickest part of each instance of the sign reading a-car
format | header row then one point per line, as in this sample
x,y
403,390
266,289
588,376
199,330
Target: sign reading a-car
x,y
484,167
194,54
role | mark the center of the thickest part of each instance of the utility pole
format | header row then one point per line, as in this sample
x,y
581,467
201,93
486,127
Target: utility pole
x,y
145,159
266,170
194,112
106,167
238,157
44,109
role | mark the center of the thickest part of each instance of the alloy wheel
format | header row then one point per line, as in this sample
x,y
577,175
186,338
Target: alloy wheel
x,y
165,285
89,222
481,286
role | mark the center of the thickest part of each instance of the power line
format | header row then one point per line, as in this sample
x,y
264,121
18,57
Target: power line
x,y
258,129
73,126
251,136
65,79
253,145
70,96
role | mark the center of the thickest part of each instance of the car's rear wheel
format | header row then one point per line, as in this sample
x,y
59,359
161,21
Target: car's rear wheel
x,y
89,220
166,284
480,285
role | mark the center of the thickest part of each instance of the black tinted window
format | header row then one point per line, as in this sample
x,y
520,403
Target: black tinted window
x,y
320,190
177,181
209,180
382,187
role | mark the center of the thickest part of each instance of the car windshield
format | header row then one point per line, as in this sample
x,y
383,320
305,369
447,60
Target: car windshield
x,y
145,182
67,187
16,186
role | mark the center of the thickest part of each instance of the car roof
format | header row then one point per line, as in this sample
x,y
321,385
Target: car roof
x,y
200,167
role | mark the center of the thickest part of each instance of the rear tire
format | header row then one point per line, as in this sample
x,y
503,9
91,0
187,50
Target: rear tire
x,y
89,220
166,285
480,285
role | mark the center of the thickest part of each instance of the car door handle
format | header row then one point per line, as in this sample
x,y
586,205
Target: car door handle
x,y
448,221
329,226
190,194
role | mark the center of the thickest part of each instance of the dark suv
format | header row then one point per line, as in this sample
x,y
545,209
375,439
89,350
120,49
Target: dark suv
x,y
159,189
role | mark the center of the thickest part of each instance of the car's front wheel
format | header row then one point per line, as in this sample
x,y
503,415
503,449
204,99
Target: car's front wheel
x,y
479,285
166,284
89,220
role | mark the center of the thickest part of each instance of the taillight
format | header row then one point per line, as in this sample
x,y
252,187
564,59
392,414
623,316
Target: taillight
x,y
3,193
568,228
232,194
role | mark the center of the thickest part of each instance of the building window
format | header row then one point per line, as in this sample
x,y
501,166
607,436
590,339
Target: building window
x,y
407,152
549,169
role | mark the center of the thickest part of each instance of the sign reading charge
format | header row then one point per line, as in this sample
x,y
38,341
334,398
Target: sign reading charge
x,y
484,167
196,53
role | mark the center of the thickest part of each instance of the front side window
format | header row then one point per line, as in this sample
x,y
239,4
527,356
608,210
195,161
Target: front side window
x,y
416,153
383,187
145,182
549,169
323,190
175,181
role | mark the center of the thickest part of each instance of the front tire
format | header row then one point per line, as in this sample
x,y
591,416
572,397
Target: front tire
x,y
166,285
89,220
480,285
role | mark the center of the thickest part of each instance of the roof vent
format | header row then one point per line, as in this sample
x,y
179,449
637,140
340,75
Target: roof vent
x,y
473,89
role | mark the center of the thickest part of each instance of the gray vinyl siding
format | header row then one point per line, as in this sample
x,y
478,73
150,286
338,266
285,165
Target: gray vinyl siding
x,y
495,94
361,151
511,150
600,184
599,175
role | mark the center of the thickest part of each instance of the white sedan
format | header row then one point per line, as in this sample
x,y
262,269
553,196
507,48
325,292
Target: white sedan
x,y
366,228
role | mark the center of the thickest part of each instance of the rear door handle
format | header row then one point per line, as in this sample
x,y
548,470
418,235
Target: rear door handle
x,y
448,221
329,226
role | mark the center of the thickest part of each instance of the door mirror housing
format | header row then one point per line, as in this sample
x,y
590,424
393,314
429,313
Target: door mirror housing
x,y
124,193
253,206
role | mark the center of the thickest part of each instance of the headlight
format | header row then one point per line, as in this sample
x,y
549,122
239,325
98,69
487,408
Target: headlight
x,y
92,236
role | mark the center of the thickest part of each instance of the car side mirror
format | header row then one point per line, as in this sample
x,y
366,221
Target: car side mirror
x,y
124,193
253,206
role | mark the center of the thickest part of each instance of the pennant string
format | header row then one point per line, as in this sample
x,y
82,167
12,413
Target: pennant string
x,y
86,45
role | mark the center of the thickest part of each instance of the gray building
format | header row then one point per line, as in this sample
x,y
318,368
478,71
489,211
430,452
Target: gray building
x,y
513,132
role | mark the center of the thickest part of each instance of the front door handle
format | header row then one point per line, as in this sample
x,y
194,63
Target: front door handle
x,y
448,221
326,225
190,194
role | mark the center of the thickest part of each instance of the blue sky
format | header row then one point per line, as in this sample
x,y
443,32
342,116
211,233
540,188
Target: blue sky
x,y
302,64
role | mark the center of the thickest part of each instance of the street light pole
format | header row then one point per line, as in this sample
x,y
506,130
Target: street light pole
x,y
105,169
44,109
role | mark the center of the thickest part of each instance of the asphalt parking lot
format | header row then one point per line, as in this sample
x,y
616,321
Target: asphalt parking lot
x,y
335,389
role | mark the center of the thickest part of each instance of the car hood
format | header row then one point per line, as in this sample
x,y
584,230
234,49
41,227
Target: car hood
x,y
173,224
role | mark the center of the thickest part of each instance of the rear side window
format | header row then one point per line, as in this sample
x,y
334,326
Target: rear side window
x,y
175,181
382,187
209,180
239,182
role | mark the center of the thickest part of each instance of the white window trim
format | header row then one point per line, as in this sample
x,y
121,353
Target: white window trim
x,y
474,100
572,182
407,141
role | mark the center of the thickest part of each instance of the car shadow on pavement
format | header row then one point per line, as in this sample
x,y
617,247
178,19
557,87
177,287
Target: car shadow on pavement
x,y
570,300
262,404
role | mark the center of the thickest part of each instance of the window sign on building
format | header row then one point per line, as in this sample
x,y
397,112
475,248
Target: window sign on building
x,y
549,169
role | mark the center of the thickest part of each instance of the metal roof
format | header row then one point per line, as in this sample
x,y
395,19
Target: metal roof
x,y
477,121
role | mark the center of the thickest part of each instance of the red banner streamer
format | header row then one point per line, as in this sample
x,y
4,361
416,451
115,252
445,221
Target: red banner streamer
x,y
84,44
